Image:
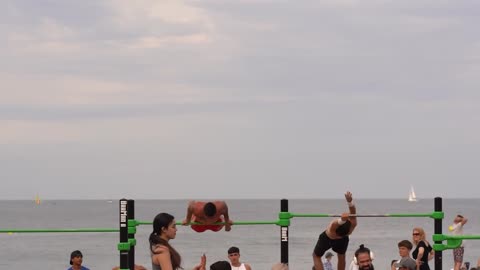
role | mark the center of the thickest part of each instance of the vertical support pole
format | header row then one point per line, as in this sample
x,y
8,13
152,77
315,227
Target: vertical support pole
x,y
123,221
284,234
131,216
438,230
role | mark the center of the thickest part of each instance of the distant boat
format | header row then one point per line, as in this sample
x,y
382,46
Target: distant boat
x,y
37,200
412,197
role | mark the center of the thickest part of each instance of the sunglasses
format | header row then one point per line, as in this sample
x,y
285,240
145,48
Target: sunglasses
x,y
415,233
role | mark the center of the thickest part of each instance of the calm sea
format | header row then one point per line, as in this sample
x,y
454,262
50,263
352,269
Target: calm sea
x,y
259,244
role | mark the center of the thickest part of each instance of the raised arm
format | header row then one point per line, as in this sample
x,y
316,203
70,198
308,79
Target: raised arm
x,y
352,209
188,217
464,220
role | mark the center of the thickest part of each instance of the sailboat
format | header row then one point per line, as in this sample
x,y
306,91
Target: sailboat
x,y
411,196
37,200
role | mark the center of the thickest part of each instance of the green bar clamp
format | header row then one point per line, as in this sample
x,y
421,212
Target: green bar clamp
x,y
451,243
123,246
284,219
437,215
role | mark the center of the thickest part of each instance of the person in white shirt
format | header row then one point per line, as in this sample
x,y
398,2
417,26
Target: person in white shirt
x,y
234,257
457,229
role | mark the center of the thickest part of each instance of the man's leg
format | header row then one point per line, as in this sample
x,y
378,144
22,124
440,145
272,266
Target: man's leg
x,y
341,261
323,244
458,258
317,262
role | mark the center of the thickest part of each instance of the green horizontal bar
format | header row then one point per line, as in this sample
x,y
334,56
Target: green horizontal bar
x,y
364,215
58,230
218,223
456,237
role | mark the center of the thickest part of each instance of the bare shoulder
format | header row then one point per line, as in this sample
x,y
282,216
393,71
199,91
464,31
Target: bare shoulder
x,y
160,249
220,204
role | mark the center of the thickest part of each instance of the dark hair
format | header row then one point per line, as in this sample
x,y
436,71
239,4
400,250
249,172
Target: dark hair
x,y
210,209
163,220
362,249
75,253
344,229
460,216
233,250
405,243
221,265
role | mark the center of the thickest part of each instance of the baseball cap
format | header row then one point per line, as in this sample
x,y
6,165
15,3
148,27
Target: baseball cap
x,y
407,263
328,254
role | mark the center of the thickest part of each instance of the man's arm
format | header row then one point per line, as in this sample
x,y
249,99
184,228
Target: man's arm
x,y
464,220
248,267
224,212
188,217
352,209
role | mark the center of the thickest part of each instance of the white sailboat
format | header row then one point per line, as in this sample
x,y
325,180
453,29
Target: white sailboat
x,y
412,197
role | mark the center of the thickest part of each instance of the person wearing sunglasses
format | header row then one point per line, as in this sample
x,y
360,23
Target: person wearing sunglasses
x,y
423,251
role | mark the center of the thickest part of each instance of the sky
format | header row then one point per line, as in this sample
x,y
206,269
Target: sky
x,y
222,99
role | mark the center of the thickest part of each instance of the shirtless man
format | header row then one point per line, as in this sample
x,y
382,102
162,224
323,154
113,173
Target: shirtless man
x,y
208,213
336,236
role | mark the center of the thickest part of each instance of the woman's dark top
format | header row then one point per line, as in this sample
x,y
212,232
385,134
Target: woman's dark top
x,y
426,252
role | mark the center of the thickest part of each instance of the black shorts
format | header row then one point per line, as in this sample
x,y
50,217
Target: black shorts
x,y
324,243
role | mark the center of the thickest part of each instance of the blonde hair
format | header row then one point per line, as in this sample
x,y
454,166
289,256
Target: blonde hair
x,y
422,235
280,266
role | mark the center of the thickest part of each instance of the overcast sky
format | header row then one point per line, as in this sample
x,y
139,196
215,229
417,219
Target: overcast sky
x,y
239,99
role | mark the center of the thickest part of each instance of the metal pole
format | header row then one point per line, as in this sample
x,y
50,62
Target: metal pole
x,y
131,216
284,234
123,221
438,230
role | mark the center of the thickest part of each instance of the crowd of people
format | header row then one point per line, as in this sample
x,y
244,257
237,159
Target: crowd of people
x,y
214,216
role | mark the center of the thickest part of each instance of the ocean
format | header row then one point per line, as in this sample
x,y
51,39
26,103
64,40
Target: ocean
x,y
259,244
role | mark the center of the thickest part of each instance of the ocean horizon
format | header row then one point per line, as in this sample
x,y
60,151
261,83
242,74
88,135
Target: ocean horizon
x,y
259,244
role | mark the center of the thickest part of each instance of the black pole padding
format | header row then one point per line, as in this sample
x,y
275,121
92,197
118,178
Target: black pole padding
x,y
438,230
284,234
123,221
131,216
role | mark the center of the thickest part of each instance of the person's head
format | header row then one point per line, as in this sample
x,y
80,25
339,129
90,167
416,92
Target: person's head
x,y
418,234
210,209
344,229
164,229
458,219
406,264
393,263
404,248
76,257
234,255
164,226
328,255
221,265
363,258
280,266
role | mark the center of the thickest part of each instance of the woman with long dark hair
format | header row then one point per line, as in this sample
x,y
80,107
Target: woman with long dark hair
x,y
164,256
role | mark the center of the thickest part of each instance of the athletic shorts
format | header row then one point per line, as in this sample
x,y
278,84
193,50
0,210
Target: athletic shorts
x,y
324,243
458,254
202,228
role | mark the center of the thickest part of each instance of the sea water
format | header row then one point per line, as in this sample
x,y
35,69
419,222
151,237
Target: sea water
x,y
259,244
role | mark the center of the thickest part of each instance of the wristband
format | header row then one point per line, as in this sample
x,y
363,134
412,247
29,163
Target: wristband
x,y
340,221
350,204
